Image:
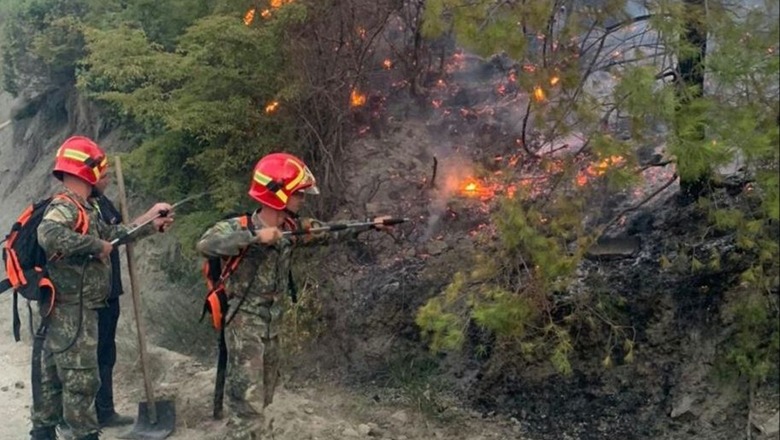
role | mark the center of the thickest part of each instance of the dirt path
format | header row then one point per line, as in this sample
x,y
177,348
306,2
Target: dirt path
x,y
318,412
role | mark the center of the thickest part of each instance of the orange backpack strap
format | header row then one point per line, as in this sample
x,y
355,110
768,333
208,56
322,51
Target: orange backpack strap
x,y
217,304
82,222
216,298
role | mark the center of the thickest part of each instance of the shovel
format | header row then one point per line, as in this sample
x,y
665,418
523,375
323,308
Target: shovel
x,y
156,419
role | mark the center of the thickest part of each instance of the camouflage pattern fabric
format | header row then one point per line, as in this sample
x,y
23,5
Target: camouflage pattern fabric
x,y
252,375
255,290
70,379
72,251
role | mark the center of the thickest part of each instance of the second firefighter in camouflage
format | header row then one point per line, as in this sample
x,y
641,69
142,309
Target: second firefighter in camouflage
x,y
255,288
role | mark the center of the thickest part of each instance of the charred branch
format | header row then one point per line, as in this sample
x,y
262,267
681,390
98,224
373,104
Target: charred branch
x,y
638,205
433,175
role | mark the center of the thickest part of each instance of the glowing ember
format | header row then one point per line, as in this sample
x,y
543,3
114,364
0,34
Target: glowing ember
x,y
362,32
357,99
387,64
539,95
266,14
436,103
272,107
598,169
249,17
455,63
609,162
471,187
554,80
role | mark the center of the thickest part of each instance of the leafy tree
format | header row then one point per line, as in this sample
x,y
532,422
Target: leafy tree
x,y
203,106
41,43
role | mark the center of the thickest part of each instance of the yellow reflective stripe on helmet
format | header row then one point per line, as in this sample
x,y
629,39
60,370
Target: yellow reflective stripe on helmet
x,y
301,174
264,180
261,178
75,154
100,168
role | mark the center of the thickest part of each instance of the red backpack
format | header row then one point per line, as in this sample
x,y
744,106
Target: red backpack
x,y
25,260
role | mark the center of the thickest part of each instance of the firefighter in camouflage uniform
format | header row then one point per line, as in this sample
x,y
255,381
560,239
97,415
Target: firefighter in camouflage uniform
x,y
80,271
280,183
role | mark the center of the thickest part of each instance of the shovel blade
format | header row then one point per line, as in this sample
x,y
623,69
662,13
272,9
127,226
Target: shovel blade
x,y
147,429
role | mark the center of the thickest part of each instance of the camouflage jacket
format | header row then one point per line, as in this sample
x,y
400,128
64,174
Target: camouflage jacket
x,y
70,267
264,270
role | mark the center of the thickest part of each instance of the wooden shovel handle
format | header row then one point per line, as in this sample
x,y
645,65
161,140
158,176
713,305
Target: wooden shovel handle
x,y
134,287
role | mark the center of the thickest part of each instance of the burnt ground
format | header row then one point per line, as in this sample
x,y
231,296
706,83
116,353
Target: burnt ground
x,y
365,334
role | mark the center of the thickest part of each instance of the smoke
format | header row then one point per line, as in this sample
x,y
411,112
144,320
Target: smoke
x,y
451,172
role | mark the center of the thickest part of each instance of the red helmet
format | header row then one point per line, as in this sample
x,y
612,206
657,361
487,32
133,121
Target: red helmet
x,y
81,157
279,175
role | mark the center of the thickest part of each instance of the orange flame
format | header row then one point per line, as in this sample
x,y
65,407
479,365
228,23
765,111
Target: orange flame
x,y
482,190
249,17
275,4
598,169
539,95
272,107
554,80
387,64
356,98
608,163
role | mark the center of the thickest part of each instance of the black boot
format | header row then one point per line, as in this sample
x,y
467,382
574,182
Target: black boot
x,y
45,433
104,401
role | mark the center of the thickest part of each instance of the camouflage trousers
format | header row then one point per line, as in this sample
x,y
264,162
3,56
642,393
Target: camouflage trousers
x,y
70,378
252,373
